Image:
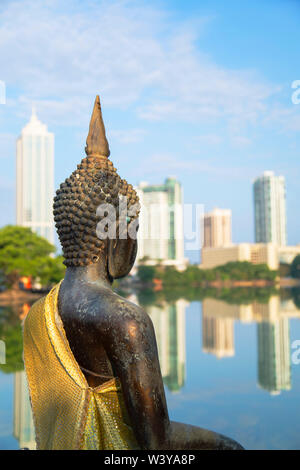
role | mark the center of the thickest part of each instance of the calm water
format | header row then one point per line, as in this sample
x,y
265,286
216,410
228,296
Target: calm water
x,y
226,367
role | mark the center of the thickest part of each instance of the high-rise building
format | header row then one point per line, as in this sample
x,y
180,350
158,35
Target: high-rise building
x,y
217,228
256,253
160,235
35,178
270,209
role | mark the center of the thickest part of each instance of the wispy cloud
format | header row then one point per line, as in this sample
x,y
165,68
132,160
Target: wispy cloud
x,y
64,53
129,136
240,141
171,165
208,139
287,119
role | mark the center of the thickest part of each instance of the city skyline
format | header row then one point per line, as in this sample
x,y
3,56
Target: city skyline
x,y
161,233
186,103
35,150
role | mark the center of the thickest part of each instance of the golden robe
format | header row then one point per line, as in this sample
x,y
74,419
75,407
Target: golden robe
x,y
67,413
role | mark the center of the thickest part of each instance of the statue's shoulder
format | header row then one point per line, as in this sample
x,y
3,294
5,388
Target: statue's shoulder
x,y
124,313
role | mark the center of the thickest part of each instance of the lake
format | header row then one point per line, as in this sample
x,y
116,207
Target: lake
x,y
228,362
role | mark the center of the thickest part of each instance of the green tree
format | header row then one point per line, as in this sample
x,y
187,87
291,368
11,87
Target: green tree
x,y
146,273
24,253
295,267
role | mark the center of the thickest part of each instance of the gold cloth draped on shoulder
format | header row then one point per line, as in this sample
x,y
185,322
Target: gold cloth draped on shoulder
x,y
67,413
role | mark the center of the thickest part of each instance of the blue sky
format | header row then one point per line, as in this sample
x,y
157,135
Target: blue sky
x,y
196,89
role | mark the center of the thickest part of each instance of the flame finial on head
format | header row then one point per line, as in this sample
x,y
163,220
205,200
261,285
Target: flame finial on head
x,y
96,142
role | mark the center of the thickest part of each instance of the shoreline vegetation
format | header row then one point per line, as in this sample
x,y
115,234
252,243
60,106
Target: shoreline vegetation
x,y
230,276
25,254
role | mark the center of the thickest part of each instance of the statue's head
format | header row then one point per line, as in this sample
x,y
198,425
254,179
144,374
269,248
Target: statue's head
x,y
95,211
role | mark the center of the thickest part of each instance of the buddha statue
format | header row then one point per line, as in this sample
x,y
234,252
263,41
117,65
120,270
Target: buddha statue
x,y
90,355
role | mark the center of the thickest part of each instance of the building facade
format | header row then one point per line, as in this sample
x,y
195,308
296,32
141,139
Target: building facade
x,y
256,253
35,178
217,228
270,209
160,235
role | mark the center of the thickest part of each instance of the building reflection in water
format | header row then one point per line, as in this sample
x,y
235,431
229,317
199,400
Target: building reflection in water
x,y
169,325
218,336
218,317
273,337
274,366
273,343
23,422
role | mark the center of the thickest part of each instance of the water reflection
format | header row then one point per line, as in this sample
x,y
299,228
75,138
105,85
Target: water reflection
x,y
274,365
11,318
219,334
23,423
273,336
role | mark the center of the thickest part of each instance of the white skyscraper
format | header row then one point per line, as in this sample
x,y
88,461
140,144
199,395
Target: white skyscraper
x,y
35,178
160,235
270,209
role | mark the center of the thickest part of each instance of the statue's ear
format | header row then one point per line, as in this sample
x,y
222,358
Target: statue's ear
x,y
121,256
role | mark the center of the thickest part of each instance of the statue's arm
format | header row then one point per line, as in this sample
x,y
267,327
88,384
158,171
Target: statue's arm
x,y
130,344
132,350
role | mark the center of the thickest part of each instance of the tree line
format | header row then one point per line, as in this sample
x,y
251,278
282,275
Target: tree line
x,y
193,275
24,253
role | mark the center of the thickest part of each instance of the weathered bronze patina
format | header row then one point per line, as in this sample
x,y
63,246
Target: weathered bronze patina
x,y
108,335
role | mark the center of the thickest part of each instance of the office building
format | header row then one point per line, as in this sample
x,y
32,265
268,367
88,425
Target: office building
x,y
217,228
35,178
160,235
256,253
270,209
